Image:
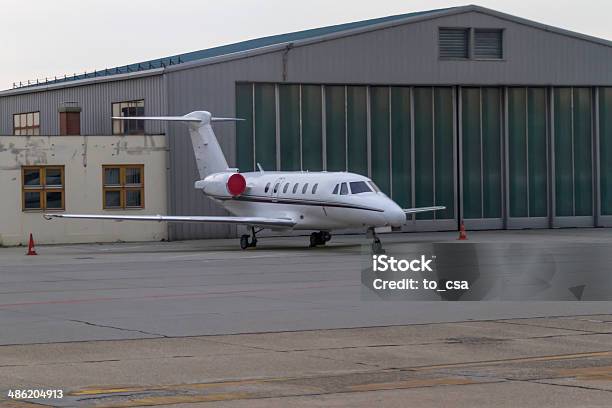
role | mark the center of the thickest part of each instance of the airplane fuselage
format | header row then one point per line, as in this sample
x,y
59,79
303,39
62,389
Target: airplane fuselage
x,y
313,200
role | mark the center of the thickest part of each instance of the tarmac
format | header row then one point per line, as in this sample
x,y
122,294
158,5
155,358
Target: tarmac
x,y
203,323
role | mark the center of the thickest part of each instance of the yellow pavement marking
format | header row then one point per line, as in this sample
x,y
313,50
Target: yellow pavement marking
x,y
587,373
513,361
20,404
412,383
176,399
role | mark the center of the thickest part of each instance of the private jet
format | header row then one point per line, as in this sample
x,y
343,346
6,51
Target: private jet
x,y
278,200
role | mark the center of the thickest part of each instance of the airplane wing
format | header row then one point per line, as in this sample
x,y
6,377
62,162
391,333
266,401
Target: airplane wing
x,y
423,209
251,221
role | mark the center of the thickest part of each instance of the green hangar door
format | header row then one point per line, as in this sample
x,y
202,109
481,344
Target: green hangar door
x,y
480,134
605,156
573,157
527,158
404,138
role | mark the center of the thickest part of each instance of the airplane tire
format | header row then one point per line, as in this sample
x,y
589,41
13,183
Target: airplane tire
x,y
314,239
326,236
244,241
377,248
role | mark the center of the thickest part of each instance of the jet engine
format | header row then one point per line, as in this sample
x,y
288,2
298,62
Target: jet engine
x,y
225,185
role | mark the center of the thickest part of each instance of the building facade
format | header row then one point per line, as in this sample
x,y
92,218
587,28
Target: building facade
x,y
506,122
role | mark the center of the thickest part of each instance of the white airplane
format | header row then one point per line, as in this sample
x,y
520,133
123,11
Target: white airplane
x,y
277,200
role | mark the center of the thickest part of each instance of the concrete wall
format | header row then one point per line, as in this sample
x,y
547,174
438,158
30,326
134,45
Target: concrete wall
x,y
83,157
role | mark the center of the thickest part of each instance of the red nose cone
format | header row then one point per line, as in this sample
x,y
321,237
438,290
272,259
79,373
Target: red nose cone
x,y
236,184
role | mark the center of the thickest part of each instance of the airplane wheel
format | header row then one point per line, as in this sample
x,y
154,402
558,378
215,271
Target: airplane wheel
x,y
314,239
326,236
244,241
377,248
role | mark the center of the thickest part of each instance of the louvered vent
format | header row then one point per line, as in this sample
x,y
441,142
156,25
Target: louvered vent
x,y
453,43
488,44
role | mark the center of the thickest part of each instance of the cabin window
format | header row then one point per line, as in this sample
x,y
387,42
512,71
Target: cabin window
x,y
285,188
123,186
295,187
358,187
343,189
267,188
314,188
374,186
276,187
43,187
336,189
304,188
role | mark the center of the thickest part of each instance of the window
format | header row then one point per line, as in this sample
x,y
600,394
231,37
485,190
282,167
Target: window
x,y
314,188
304,188
336,189
374,186
26,124
453,43
343,189
295,187
276,187
123,186
358,187
285,188
267,188
488,44
128,109
43,187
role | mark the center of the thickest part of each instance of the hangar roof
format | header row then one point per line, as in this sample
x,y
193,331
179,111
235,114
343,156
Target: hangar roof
x,y
229,51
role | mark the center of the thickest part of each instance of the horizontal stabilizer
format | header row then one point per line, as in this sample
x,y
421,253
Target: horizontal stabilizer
x,y
162,118
423,209
250,221
176,118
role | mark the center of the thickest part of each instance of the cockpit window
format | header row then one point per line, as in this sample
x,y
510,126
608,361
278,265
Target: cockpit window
x,y
336,189
358,187
267,188
374,186
343,189
304,188
314,188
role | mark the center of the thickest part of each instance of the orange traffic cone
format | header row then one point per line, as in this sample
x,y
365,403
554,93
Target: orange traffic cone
x,y
462,233
31,250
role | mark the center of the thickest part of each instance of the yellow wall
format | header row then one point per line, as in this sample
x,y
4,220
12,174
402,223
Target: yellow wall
x,y
83,157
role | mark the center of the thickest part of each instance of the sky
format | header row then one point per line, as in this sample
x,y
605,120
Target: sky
x,y
43,38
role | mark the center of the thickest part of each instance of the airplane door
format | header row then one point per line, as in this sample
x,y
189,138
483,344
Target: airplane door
x,y
276,188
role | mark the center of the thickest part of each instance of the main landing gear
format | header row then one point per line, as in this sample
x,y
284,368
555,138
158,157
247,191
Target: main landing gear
x,y
377,248
244,239
319,238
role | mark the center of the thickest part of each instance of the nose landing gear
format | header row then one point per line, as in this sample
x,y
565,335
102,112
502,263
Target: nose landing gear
x,y
377,248
319,238
244,239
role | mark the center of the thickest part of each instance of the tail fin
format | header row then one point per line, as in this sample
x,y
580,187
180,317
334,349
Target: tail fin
x,y
208,154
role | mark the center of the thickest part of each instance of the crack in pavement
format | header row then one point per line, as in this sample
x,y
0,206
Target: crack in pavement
x,y
119,328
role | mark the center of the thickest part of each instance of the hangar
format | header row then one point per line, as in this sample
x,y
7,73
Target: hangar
x,y
505,121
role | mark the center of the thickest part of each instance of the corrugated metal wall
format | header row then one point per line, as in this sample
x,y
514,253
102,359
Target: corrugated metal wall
x,y
95,101
408,54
